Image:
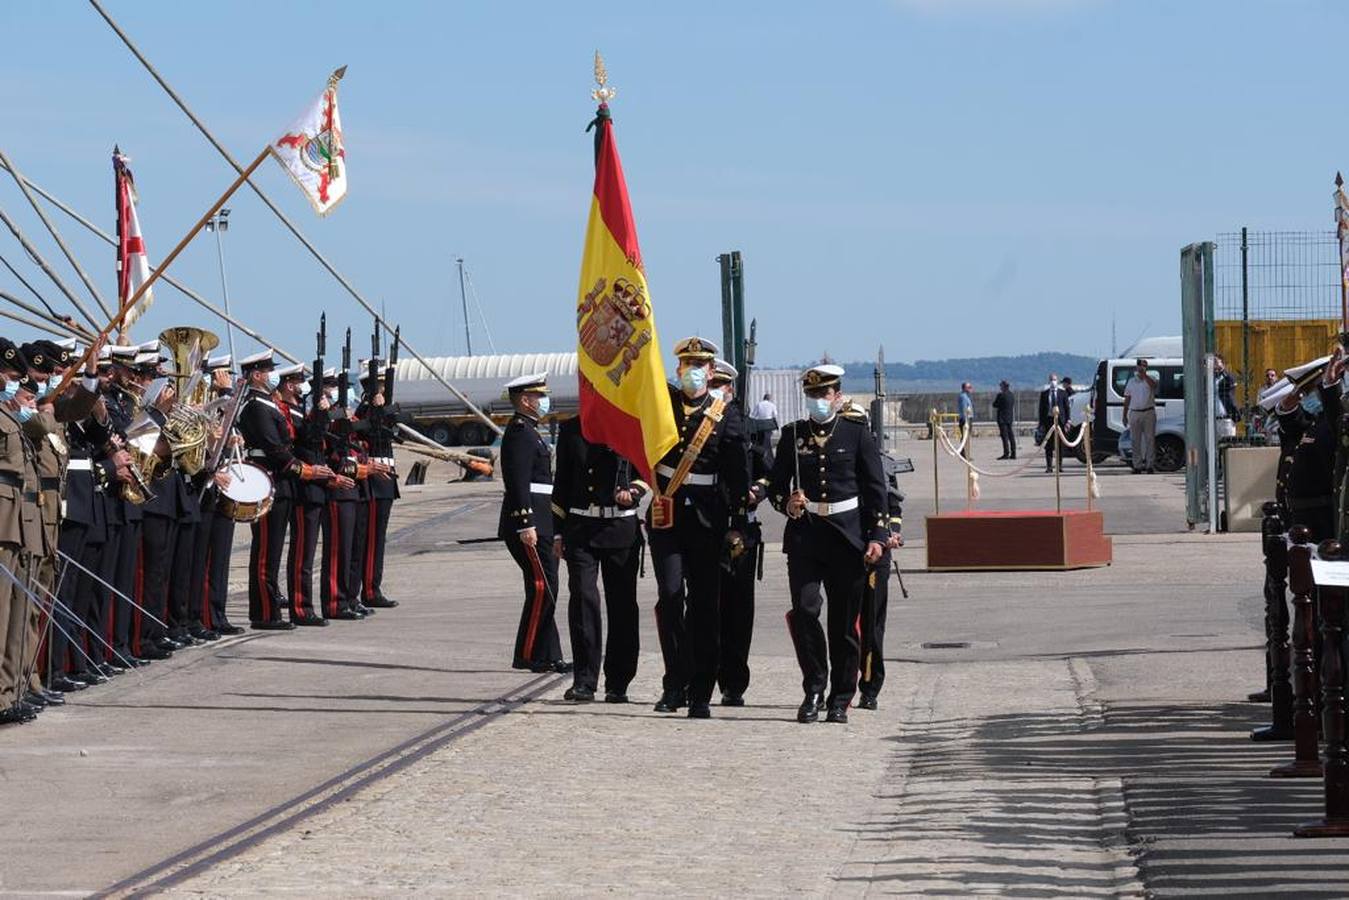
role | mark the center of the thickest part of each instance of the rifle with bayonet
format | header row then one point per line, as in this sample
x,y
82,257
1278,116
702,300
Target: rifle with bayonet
x,y
316,376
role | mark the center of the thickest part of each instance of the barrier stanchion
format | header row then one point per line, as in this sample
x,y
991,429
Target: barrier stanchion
x,y
933,424
1306,759
1058,463
1279,688
1086,450
1331,599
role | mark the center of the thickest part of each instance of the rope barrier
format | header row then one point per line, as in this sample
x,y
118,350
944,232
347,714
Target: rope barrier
x,y
1056,433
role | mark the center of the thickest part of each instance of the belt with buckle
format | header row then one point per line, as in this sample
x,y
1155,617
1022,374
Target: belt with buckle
x,y
537,488
79,465
831,509
703,480
602,512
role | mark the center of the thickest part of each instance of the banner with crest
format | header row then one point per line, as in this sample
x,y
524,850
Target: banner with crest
x,y
311,150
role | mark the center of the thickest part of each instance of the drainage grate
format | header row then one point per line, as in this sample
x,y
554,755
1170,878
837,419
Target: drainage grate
x,y
946,645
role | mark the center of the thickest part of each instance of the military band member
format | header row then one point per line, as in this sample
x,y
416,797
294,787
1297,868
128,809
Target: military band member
x,y
741,564
828,479
526,524
214,538
594,507
702,485
311,495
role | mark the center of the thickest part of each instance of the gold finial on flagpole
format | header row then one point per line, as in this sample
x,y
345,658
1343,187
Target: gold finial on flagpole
x,y
604,93
334,78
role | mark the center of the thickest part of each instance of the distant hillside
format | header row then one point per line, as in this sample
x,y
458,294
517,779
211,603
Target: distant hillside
x,y
1030,370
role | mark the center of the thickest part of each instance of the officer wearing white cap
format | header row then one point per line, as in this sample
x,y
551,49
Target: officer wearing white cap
x,y
526,524
828,479
702,487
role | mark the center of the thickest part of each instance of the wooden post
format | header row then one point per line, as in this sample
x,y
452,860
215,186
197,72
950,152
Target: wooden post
x,y
934,424
154,276
1279,690
1335,823
1306,759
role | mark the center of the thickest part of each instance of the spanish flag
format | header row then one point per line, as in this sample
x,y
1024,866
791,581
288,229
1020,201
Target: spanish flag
x,y
625,403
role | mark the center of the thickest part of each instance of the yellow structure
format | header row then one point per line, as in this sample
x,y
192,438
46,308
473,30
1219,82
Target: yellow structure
x,y
1273,344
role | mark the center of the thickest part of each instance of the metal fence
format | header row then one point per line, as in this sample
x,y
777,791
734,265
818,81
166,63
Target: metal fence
x,y
1276,275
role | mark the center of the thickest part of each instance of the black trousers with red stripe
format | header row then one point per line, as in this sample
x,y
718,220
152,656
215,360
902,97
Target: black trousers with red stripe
x,y
126,558
371,533
157,536
536,640
305,517
183,589
826,565
339,530
265,600
210,567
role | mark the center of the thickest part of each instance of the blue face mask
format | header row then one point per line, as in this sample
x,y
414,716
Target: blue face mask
x,y
545,404
9,391
693,380
25,413
717,393
1312,404
42,388
273,381
819,408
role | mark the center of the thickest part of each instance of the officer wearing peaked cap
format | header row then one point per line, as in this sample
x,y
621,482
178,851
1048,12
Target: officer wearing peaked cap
x,y
526,523
215,532
828,479
702,486
378,491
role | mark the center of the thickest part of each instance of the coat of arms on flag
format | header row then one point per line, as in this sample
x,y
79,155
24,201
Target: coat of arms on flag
x,y
311,150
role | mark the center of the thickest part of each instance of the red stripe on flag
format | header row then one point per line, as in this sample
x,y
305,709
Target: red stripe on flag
x,y
604,423
611,190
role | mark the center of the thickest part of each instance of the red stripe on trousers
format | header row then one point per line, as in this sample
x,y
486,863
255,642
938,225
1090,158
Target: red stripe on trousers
x,y
139,591
261,574
368,587
206,587
335,542
536,609
297,546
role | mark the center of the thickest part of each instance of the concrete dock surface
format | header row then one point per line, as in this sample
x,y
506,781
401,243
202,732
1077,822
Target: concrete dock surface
x,y
1041,734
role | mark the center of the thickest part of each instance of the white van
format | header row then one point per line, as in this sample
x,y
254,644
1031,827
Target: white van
x,y
1105,402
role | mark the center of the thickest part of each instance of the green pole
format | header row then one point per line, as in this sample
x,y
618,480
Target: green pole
x,y
736,354
727,320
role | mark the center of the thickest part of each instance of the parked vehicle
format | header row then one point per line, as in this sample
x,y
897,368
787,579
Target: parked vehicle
x,y
1104,402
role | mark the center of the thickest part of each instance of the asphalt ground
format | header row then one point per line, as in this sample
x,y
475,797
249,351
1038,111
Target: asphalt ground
x,y
1089,739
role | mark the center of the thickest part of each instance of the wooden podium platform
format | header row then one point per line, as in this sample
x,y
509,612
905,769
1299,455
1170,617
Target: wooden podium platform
x,y
1017,539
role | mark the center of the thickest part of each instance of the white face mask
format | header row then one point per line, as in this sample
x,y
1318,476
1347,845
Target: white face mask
x,y
717,393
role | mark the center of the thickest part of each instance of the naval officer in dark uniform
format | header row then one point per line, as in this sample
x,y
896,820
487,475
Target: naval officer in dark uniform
x,y
828,479
594,505
526,524
688,527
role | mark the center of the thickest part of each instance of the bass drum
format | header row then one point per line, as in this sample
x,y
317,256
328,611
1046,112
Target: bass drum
x,y
249,495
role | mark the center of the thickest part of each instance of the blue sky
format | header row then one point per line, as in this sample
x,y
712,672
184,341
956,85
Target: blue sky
x,y
944,177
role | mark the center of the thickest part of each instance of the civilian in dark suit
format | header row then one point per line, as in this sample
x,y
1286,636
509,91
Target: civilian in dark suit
x,y
1053,397
1004,412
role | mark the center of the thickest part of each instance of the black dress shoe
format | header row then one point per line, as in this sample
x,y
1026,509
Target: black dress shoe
x,y
169,644
152,651
867,702
89,676
700,711
204,634
111,669
349,615
15,715
732,699
228,630
615,697
309,621
562,667
809,710
364,610
669,701
381,602
66,684
272,626
837,714
579,694
53,698
34,699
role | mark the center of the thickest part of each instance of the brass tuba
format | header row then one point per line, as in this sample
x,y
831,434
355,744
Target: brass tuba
x,y
187,425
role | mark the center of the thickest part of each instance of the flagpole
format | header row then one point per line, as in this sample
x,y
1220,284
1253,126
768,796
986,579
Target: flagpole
x,y
1341,225
168,279
56,235
276,210
154,276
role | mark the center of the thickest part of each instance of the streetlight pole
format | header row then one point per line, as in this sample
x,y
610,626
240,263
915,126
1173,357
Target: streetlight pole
x,y
219,223
463,299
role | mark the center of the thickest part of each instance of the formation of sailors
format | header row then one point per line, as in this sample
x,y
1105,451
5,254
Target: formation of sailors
x,y
699,521
120,492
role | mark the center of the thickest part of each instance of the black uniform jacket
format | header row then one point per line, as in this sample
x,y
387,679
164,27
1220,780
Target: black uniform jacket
x,y
588,476
837,461
379,440
723,464
269,438
1312,441
525,460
